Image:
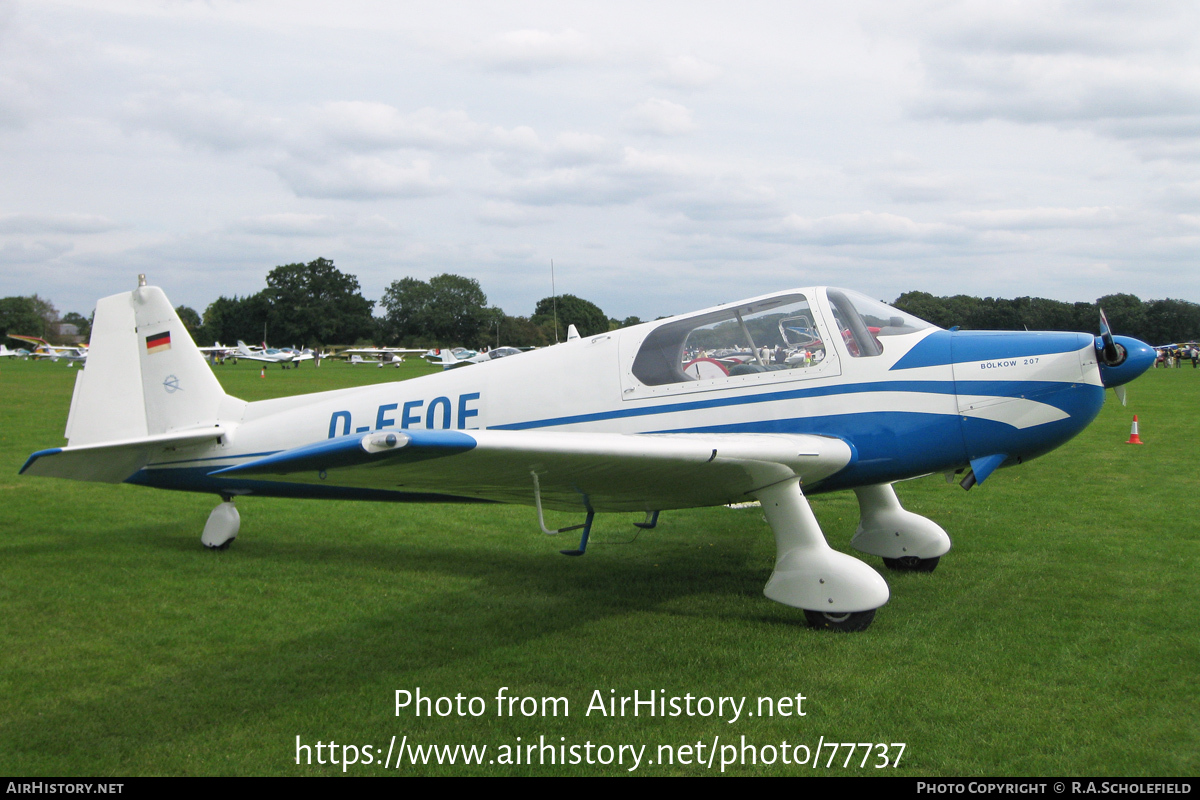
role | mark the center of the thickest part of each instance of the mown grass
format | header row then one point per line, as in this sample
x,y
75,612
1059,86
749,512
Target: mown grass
x,y
1059,636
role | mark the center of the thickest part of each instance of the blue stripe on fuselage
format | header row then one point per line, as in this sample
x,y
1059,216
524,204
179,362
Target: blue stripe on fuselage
x,y
889,445
985,388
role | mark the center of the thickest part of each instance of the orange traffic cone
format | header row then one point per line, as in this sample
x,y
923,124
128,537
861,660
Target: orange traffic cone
x,y
1133,433
263,374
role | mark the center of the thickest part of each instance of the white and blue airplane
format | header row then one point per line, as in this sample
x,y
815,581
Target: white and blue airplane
x,y
268,355
842,392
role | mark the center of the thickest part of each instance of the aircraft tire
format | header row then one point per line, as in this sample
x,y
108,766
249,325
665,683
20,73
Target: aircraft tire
x,y
850,622
912,564
222,546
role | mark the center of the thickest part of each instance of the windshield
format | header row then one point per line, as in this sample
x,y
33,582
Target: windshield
x,y
863,322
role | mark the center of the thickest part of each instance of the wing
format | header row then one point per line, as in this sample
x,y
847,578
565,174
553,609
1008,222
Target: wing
x,y
33,340
599,471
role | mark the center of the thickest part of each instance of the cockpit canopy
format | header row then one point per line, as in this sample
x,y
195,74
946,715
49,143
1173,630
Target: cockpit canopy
x,y
781,332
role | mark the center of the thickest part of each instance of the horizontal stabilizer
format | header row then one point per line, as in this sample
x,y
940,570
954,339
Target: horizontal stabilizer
x,y
112,462
600,471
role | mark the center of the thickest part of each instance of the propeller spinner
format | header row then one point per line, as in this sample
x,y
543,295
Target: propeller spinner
x,y
1121,358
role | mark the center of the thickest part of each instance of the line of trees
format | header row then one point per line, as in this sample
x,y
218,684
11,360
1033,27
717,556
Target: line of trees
x,y
1152,321
36,316
315,304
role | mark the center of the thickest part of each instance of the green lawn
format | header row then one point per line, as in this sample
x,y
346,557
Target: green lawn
x,y
1058,637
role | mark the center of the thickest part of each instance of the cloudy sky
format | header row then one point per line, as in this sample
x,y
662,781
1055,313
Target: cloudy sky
x,y
667,156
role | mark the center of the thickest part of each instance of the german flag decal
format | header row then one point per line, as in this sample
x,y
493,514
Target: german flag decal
x,y
158,342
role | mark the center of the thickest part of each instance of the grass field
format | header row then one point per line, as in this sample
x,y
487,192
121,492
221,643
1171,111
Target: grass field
x,y
1059,637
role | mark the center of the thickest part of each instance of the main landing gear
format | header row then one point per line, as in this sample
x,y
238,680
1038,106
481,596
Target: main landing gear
x,y
222,526
836,591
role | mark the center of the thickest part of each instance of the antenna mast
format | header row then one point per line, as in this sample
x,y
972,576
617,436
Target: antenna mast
x,y
554,300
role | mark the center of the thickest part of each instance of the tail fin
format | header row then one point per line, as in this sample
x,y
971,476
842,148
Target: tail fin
x,y
144,375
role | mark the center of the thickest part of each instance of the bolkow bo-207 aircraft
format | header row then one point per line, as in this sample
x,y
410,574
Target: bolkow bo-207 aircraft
x,y
829,390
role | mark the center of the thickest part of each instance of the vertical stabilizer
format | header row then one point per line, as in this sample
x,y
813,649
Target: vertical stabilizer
x,y
144,374
107,404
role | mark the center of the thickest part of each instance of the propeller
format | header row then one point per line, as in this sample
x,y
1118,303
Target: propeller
x,y
1112,357
1112,354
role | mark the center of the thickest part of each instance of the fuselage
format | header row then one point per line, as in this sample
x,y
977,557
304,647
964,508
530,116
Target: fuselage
x,y
908,398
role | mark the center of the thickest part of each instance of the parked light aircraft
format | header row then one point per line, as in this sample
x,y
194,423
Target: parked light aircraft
x,y
382,356
43,349
438,355
614,423
449,359
269,355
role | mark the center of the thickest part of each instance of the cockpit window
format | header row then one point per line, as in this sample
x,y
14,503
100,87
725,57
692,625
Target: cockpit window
x,y
774,334
863,322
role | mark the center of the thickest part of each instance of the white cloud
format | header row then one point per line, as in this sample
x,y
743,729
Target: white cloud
x,y
904,178
30,255
362,126
531,49
867,227
1066,132
582,148
212,119
1125,71
635,175
361,178
660,118
509,215
688,72
291,224
1040,218
55,223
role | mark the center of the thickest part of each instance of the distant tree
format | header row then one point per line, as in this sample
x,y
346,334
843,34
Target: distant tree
x,y
925,306
586,316
227,320
406,311
993,314
1040,314
1171,321
1126,314
20,315
188,316
996,313
448,310
521,332
1086,317
1154,321
316,303
493,323
83,326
